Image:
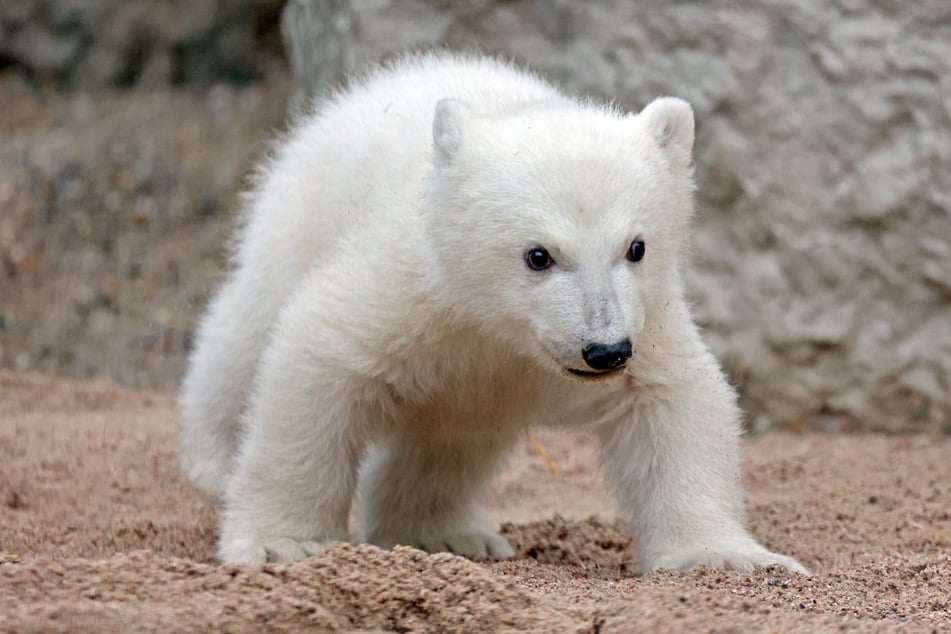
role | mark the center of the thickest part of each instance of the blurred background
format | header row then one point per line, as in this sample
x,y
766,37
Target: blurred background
x,y
821,267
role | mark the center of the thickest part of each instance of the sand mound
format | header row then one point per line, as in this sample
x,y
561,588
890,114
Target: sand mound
x,y
98,532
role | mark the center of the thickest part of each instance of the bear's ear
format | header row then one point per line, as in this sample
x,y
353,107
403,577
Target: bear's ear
x,y
447,130
670,121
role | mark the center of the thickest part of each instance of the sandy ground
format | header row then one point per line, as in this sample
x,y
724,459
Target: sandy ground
x,y
98,532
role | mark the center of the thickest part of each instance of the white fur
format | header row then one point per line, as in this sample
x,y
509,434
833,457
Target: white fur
x,y
382,300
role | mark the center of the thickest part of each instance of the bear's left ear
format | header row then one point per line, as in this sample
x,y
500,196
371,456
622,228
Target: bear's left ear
x,y
670,121
447,130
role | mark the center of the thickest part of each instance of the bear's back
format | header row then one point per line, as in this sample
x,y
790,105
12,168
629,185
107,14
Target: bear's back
x,y
365,152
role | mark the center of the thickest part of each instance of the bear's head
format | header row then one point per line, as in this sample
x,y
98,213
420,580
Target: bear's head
x,y
560,228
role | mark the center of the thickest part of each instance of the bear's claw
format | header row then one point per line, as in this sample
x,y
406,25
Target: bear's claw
x,y
275,550
744,558
483,544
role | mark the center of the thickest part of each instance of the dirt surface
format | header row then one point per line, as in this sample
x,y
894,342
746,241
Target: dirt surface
x,y
98,532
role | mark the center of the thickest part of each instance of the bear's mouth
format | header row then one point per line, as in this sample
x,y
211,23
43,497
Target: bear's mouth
x,y
595,375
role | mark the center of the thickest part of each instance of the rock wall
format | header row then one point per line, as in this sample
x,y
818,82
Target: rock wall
x,y
822,250
96,43
115,212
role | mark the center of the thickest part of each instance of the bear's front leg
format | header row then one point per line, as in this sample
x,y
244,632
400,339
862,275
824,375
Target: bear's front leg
x,y
424,490
307,427
673,459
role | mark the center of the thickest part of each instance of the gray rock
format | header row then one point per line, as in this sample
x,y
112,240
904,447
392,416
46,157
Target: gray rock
x,y
96,43
821,266
319,36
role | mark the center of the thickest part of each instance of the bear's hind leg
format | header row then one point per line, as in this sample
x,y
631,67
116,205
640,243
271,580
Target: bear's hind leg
x,y
228,346
424,493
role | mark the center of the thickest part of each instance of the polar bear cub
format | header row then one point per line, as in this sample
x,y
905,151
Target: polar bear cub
x,y
438,258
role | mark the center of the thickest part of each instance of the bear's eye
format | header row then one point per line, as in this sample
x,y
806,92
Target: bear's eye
x,y
538,259
637,251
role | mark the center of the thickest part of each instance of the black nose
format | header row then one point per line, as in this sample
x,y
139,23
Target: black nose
x,y
607,356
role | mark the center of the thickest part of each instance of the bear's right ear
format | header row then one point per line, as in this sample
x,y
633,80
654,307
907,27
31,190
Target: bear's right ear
x,y
447,130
